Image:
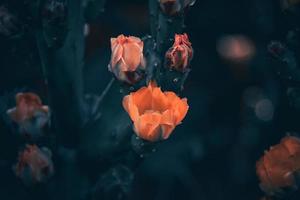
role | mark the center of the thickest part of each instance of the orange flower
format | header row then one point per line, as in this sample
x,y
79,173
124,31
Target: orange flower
x,y
127,59
34,164
172,7
180,54
29,113
277,168
28,104
155,113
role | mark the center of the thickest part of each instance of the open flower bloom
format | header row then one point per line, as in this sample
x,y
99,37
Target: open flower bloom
x,y
172,7
155,113
127,59
34,165
277,169
29,113
180,54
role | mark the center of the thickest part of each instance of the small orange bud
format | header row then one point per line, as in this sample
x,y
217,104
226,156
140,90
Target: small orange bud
x,y
127,59
277,168
155,113
178,57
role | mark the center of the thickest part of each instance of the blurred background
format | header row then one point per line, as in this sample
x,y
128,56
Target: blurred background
x,y
238,106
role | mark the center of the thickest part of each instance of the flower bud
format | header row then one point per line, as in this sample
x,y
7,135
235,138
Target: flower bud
x,y
179,56
172,7
34,165
127,59
29,114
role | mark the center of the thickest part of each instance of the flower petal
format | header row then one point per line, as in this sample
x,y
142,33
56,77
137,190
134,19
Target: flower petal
x,y
261,171
143,99
130,107
132,56
159,100
180,110
116,55
277,166
148,126
292,144
167,123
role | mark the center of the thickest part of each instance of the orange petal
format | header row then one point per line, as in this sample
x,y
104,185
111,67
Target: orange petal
x,y
130,107
277,166
180,110
166,131
159,100
116,55
142,99
148,126
172,97
113,43
179,106
137,41
167,123
132,55
292,144
185,40
185,56
263,176
177,39
28,98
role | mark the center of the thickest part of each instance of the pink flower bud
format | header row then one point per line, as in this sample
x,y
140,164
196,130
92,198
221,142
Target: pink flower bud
x,y
30,114
34,165
178,57
127,59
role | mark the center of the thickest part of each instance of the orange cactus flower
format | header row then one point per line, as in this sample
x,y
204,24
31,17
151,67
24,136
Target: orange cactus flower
x,y
172,7
155,113
34,164
28,105
278,167
30,114
127,59
180,54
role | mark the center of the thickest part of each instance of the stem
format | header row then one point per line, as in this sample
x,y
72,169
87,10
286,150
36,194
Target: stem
x,y
63,71
153,9
103,94
163,29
